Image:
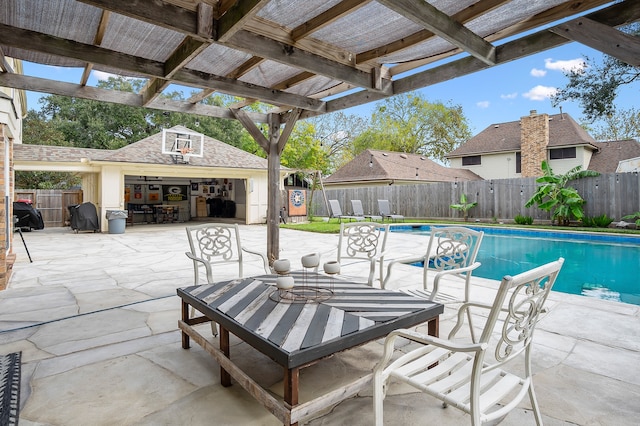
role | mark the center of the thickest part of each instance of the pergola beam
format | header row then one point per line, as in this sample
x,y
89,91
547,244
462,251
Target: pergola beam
x,y
426,15
36,84
624,47
31,40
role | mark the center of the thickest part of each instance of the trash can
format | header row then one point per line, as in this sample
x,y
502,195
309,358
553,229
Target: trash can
x,y
117,221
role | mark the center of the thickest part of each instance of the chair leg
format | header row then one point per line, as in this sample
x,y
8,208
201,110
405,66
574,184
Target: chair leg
x,y
378,399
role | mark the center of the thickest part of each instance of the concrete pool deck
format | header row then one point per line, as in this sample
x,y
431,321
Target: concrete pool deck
x,y
95,316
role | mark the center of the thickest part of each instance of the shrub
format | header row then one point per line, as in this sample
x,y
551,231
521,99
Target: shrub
x,y
523,220
635,216
602,221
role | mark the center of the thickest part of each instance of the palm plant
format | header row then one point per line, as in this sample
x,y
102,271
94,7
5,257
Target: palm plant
x,y
555,196
464,206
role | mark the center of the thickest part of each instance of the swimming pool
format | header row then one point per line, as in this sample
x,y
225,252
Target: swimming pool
x,y
596,265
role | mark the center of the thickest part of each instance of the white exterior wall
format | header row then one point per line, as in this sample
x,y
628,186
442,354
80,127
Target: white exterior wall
x,y
503,165
493,166
583,157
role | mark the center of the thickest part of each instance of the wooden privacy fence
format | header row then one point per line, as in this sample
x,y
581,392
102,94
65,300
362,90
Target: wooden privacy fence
x,y
613,194
52,203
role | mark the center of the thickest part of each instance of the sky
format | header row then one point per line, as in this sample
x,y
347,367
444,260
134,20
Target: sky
x,y
499,94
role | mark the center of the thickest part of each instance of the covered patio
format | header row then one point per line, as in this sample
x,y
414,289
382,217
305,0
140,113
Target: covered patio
x,y
301,58
95,318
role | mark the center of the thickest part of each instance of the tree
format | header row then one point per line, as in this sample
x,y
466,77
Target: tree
x,y
37,129
555,196
596,85
336,133
623,124
409,123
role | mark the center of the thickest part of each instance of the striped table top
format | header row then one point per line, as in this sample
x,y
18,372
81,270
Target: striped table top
x,y
294,334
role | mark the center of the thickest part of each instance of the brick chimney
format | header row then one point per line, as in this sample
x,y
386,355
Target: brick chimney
x,y
534,138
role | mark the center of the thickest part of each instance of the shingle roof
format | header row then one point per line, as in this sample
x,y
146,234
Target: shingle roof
x,y
373,165
505,137
148,151
611,153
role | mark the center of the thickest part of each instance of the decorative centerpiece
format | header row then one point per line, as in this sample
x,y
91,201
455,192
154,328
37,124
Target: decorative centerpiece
x,y
281,266
331,268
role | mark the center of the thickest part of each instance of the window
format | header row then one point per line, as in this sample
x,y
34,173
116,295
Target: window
x,y
473,160
561,153
518,162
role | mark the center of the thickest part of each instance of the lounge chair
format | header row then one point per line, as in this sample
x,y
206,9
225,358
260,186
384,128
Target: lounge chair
x,y
336,211
385,211
358,210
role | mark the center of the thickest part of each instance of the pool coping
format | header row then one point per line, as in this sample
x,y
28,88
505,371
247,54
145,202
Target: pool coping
x,y
576,235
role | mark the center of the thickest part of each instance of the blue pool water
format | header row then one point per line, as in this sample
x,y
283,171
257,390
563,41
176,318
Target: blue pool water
x,y
596,265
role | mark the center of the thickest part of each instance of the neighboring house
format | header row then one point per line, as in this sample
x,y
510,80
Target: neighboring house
x,y
517,148
13,108
140,174
373,167
616,156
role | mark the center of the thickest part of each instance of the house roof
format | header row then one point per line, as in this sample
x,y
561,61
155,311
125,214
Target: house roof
x,y
319,56
373,165
609,154
505,137
148,151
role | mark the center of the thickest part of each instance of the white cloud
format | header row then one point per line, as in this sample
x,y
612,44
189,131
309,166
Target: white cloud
x,y
482,104
577,64
509,95
101,75
540,93
538,73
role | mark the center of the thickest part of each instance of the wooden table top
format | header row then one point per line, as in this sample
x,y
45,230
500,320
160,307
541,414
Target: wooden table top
x,y
294,334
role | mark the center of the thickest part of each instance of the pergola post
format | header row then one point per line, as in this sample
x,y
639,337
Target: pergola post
x,y
273,189
273,146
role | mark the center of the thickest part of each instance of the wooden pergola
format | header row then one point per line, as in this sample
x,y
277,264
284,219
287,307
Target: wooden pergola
x,y
303,57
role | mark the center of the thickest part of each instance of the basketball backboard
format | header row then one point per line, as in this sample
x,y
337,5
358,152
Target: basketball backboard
x,y
182,145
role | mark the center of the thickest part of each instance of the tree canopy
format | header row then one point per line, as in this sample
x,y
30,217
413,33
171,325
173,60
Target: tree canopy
x,y
597,85
409,123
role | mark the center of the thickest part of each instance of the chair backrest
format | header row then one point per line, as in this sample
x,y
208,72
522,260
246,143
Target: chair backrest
x,y
384,207
215,243
515,313
450,248
336,211
364,241
358,210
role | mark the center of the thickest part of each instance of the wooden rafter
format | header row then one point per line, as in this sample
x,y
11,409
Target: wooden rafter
x,y
31,40
615,15
235,18
102,27
326,18
4,64
602,37
185,52
558,12
440,23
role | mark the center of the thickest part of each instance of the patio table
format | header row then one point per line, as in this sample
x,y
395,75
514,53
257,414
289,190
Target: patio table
x,y
296,335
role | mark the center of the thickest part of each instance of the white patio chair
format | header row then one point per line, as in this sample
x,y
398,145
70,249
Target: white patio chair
x,y
385,211
358,210
336,211
217,244
451,252
471,376
361,242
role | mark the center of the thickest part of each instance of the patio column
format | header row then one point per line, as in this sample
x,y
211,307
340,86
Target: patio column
x,y
273,146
